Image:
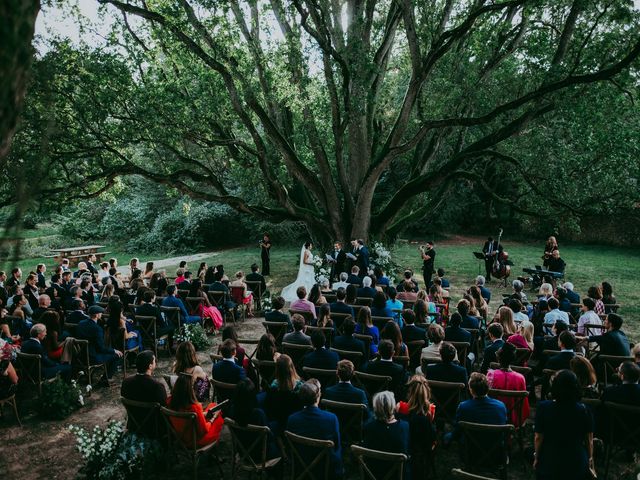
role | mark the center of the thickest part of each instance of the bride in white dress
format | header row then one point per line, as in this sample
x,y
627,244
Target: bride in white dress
x,y
306,276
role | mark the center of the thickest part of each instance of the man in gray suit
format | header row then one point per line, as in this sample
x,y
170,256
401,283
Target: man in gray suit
x,y
297,336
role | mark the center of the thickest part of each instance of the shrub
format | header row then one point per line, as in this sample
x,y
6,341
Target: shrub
x,y
60,399
194,333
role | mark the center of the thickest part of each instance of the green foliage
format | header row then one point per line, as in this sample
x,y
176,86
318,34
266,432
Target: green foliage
x,y
194,333
60,399
113,454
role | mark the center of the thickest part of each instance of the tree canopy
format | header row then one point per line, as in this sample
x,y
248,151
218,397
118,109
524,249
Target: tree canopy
x,y
356,117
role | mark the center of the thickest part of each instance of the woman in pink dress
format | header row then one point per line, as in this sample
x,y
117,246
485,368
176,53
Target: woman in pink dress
x,y
206,310
523,338
247,296
506,379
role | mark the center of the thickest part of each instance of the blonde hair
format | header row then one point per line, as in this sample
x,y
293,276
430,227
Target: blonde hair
x,y
546,289
418,395
526,330
505,318
422,295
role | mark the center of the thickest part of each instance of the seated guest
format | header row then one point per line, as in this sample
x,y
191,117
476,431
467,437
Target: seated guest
x,y
366,327
34,346
277,315
172,300
227,370
144,388
98,352
353,278
595,293
435,334
246,297
208,312
347,342
302,304
563,300
588,317
496,342
406,292
311,422
516,307
444,283
408,277
366,291
410,332
183,279
504,317
613,341
344,276
324,317
392,303
352,294
344,391
480,303
316,297
468,321
391,331
555,314
419,412
518,294
629,392
447,370
608,299
281,399
454,332
117,321
422,308
44,302
187,364
562,361
523,338
150,309
379,307
385,433
635,353
229,332
506,379
77,315
183,399
320,357
339,306
255,276
586,375
484,291
266,349
385,366
381,278
297,336
480,409
563,432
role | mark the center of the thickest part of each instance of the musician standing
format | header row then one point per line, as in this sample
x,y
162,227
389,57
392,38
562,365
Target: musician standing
x,y
490,249
555,263
549,248
428,262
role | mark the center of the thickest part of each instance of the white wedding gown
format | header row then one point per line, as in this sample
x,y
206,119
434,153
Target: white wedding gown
x,y
306,278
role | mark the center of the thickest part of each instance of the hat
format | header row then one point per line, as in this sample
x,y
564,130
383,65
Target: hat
x,y
95,309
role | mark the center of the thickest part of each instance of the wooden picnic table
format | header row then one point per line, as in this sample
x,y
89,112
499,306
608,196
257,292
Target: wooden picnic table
x,y
78,254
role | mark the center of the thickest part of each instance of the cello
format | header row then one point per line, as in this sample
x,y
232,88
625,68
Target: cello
x,y
501,268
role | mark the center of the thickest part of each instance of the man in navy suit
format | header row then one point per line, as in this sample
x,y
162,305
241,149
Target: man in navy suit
x,y
629,392
344,391
320,357
484,291
311,422
77,315
354,278
366,291
495,336
172,300
447,371
454,332
385,366
468,321
89,329
339,306
410,332
150,309
562,360
346,341
227,370
34,346
480,409
362,257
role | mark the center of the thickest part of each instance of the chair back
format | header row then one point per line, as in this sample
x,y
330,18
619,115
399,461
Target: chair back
x,y
324,376
80,355
514,401
144,418
308,316
366,339
223,391
148,331
30,367
522,356
364,301
378,465
249,447
492,440
193,305
310,458
297,353
338,320
255,286
402,360
415,351
610,364
351,417
446,396
355,357
381,322
624,425
217,298
592,329
172,314
330,297
461,474
372,384
328,333
183,294
266,372
462,348
524,371
183,429
215,358
237,294
277,329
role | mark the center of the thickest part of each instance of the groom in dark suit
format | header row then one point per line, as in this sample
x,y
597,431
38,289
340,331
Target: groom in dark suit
x,y
340,263
362,257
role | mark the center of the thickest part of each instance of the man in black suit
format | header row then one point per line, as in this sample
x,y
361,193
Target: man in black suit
x,y
14,278
89,329
150,309
254,276
344,391
217,286
385,366
44,302
320,357
629,392
354,278
34,346
410,332
346,341
447,371
613,341
91,260
4,293
362,257
142,387
227,370
495,332
340,259
366,291
468,321
77,315
561,361
277,315
186,283
454,332
428,262
339,306
298,336
490,249
408,276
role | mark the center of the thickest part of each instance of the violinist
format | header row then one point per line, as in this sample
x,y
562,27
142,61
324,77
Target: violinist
x,y
555,263
549,248
491,249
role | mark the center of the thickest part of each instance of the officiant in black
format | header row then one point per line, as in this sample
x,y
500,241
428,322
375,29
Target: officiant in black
x,y
428,262
265,254
490,249
339,263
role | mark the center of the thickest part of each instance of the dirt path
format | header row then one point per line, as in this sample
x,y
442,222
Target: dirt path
x,y
167,262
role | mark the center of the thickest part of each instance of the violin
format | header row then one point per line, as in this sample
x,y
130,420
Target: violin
x,y
501,268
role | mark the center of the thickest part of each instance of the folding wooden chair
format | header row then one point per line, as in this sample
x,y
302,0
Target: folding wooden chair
x,y
609,367
183,294
514,401
29,366
277,329
237,295
81,361
392,464
172,314
324,376
446,396
351,417
402,360
475,342
381,322
328,333
297,353
193,305
415,352
218,300
119,341
144,418
525,371
222,391
463,351
183,432
355,357
10,400
461,474
330,297
319,468
624,430
249,456
522,356
364,301
266,372
366,339
372,384
255,286
308,316
338,320
492,440
148,330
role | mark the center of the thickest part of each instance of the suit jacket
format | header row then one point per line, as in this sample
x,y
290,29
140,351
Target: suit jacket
x,y
457,334
144,388
345,392
149,310
91,331
614,342
485,293
470,322
626,394
315,423
276,316
340,262
573,297
256,277
341,307
389,369
411,333
321,358
490,355
354,279
367,292
34,347
227,372
560,361
496,247
298,338
446,372
362,260
173,301
485,410
77,316
349,344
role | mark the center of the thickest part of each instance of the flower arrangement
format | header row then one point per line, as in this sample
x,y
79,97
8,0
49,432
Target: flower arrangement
x,y
380,256
320,271
194,333
113,454
266,301
60,399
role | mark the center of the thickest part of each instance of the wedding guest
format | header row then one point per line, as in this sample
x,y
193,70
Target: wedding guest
x,y
366,327
523,338
298,336
34,346
347,342
555,314
205,309
302,304
229,332
608,298
505,378
366,291
449,370
586,375
408,277
562,360
58,348
468,321
344,391
406,293
344,276
117,321
516,307
324,317
613,341
505,318
227,370
255,276
392,303
411,332
379,308
391,331
340,305
628,392
385,366
148,271
480,302
316,297
484,291
495,333
435,334
320,357
381,278
588,317
172,300
277,315
282,399
352,294
89,329
454,332
187,363
266,348
595,294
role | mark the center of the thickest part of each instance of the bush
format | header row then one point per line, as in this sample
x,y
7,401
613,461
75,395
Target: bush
x,y
194,333
60,399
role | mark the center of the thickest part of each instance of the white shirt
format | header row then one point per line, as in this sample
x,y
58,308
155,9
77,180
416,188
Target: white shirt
x,y
520,317
337,285
554,315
